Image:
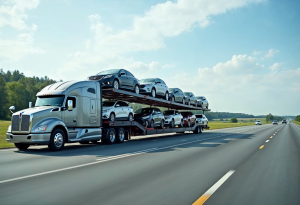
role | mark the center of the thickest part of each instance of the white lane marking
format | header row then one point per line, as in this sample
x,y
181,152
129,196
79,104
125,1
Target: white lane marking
x,y
219,183
267,141
212,143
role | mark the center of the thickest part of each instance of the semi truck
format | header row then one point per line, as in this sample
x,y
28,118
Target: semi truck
x,y
68,112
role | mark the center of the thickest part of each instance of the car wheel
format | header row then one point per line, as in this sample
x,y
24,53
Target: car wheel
x,y
183,101
57,140
116,84
162,123
172,124
189,124
189,103
173,99
21,146
167,96
130,117
120,135
152,124
112,117
137,89
153,93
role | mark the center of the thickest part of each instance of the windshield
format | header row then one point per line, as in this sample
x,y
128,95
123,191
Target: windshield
x,y
200,98
144,111
186,93
169,112
113,71
50,100
199,116
108,103
171,89
184,113
148,80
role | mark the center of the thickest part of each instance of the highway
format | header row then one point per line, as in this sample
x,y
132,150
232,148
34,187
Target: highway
x,y
236,166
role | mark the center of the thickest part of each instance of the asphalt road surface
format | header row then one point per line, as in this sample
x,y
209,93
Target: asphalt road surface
x,y
245,165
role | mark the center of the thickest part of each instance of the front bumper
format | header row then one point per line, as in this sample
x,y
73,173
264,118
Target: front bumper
x,y
107,83
41,138
168,121
146,89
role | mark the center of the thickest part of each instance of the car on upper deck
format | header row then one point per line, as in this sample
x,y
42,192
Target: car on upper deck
x,y
176,95
190,98
202,102
118,79
155,87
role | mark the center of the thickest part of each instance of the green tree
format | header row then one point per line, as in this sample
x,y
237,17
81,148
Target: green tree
x,y
3,98
233,120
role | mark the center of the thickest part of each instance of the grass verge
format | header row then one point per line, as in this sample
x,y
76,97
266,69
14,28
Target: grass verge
x,y
3,128
296,122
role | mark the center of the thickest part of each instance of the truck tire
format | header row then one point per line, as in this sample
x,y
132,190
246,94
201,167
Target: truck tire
x,y
22,146
197,130
111,136
120,136
57,140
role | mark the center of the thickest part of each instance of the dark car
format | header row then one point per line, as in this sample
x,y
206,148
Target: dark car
x,y
190,98
283,121
176,95
118,79
189,119
150,117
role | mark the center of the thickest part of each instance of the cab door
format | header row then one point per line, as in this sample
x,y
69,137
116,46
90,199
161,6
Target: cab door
x,y
70,117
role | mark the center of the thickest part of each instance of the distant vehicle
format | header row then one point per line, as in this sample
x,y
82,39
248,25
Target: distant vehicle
x,y
154,87
284,122
118,79
150,117
190,98
202,120
116,110
275,122
189,119
172,118
258,122
202,102
176,95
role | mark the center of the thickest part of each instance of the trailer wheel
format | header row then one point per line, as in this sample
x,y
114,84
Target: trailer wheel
x,y
197,130
120,136
57,140
111,136
21,146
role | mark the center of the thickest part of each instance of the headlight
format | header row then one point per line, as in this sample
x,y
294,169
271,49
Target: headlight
x,y
107,76
40,128
106,110
146,117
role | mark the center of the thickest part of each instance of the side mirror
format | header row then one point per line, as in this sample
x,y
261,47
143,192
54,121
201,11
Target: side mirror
x,y
70,105
11,108
30,104
122,73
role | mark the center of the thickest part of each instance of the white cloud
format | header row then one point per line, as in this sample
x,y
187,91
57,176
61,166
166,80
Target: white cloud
x,y
275,67
271,53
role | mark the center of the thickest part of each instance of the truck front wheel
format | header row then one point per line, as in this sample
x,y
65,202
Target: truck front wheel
x,y
21,146
57,140
111,138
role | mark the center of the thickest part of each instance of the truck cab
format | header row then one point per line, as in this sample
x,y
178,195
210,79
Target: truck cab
x,y
64,112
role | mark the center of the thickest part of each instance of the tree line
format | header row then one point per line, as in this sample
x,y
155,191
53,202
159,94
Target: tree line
x,y
16,89
297,118
271,117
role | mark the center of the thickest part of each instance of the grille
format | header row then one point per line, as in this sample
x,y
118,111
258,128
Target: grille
x,y
15,123
25,123
142,86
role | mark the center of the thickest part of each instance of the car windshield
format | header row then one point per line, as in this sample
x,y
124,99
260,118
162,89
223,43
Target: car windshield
x,y
257,121
171,89
199,116
108,103
169,112
50,100
200,98
184,113
274,121
113,71
144,111
148,80
187,93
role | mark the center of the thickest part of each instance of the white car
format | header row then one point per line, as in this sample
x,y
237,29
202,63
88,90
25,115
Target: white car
x,y
258,122
172,118
202,120
116,110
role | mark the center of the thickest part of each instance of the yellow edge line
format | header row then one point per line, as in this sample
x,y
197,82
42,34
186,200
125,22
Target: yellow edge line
x,y
201,200
261,147
271,137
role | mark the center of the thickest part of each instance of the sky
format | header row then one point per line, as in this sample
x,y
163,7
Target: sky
x,y
243,55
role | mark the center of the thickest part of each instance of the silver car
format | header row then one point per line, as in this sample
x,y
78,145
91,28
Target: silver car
x,y
202,102
202,120
172,118
116,110
190,98
155,87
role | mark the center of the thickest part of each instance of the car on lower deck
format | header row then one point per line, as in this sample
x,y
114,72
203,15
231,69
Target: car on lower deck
x,y
275,122
190,98
201,120
154,87
150,117
118,79
202,102
172,118
258,122
176,95
116,110
189,119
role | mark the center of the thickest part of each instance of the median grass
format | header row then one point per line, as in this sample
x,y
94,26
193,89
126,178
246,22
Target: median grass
x,y
3,128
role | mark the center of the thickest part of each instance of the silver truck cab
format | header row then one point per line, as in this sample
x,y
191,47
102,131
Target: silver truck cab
x,y
64,112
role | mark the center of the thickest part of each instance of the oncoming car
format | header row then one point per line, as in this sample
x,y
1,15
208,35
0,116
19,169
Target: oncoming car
x,y
275,122
172,118
116,110
258,122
